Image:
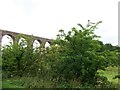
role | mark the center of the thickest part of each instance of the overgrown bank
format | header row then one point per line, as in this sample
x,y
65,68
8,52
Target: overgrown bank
x,y
72,61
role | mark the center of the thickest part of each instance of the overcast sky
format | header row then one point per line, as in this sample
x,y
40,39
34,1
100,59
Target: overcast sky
x,y
45,17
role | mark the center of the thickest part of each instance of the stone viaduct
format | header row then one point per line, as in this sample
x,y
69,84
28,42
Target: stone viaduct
x,y
14,36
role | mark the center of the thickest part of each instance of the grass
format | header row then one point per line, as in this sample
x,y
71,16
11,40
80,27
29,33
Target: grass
x,y
16,82
8,84
110,73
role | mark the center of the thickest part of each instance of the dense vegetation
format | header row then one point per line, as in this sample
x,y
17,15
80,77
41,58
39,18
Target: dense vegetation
x,y
72,61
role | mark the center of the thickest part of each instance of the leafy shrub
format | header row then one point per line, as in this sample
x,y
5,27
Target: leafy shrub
x,y
74,57
79,56
18,60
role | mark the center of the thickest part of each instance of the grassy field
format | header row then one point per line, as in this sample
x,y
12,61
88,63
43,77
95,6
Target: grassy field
x,y
109,73
8,84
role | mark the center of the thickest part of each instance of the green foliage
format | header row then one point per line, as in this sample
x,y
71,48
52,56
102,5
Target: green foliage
x,y
110,73
74,57
8,84
19,60
79,56
111,52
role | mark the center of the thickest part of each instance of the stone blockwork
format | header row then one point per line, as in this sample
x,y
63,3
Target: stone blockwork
x,y
14,36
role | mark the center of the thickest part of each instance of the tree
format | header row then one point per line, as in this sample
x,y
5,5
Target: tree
x,y
79,54
19,60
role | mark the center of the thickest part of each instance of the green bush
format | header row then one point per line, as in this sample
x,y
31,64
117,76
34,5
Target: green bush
x,y
18,60
74,57
79,56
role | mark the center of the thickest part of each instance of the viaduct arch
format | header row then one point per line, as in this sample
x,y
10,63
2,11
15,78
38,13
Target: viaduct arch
x,y
14,36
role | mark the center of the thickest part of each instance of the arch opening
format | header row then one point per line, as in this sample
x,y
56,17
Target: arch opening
x,y
47,45
36,44
23,42
7,40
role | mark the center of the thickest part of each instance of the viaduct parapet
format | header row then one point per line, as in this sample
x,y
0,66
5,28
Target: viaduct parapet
x,y
14,36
